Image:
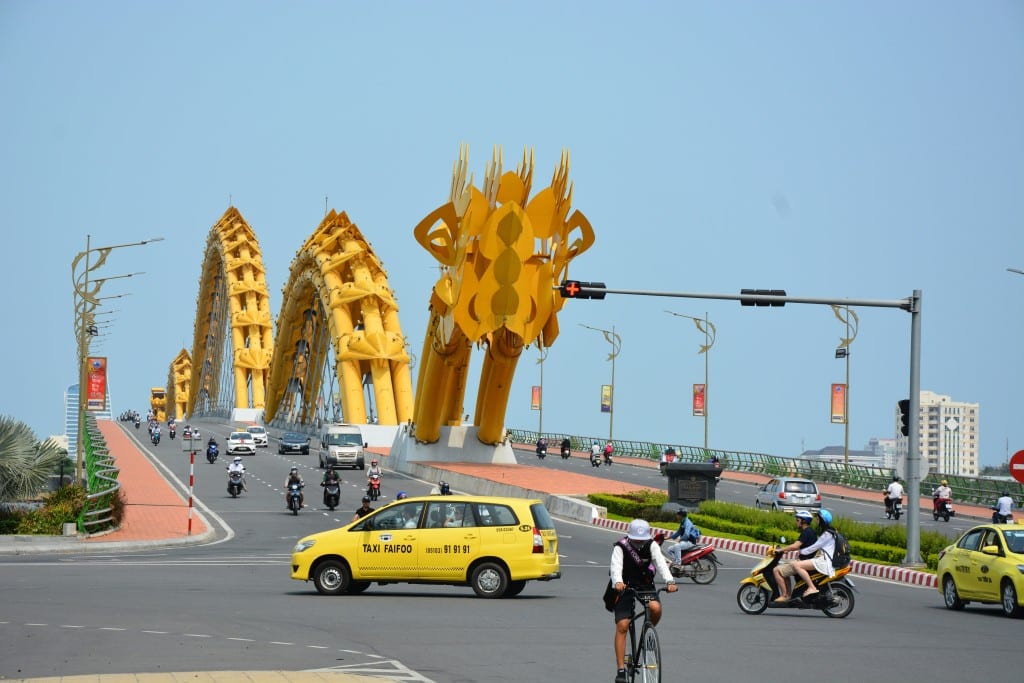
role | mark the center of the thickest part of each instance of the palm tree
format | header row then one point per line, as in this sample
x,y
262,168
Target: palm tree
x,y
25,462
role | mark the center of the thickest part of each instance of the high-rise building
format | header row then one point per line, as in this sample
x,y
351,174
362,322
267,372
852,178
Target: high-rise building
x,y
949,436
71,418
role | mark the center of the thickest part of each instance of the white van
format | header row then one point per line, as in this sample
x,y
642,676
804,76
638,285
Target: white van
x,y
341,445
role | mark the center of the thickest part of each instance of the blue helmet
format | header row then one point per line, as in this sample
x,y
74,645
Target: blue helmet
x,y
805,516
400,495
825,516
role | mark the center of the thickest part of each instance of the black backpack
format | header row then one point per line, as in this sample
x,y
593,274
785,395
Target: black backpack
x,y
841,554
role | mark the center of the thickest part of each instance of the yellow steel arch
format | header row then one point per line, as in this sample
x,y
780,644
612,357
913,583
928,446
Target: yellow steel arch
x,y
501,254
178,378
233,283
338,295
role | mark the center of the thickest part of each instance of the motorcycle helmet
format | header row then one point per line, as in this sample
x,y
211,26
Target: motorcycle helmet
x,y
238,460
366,499
294,470
373,462
805,516
945,483
825,516
895,477
681,512
401,495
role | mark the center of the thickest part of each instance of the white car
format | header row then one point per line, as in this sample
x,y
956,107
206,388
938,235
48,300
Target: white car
x,y
259,435
241,443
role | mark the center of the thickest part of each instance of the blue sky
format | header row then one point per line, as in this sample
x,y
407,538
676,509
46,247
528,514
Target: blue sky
x,y
840,149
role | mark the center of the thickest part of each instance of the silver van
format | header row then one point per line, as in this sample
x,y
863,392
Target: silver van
x,y
341,445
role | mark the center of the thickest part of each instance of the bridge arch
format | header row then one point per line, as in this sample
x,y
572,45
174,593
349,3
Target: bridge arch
x,y
233,342
339,350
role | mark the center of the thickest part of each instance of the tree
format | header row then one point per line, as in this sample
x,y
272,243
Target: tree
x,y
25,462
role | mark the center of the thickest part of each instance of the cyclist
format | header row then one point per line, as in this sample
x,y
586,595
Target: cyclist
x,y
631,567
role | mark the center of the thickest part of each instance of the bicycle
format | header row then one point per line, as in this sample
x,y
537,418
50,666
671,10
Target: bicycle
x,y
643,659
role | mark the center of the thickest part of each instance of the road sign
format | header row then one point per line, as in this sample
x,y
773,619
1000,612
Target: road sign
x,y
1017,466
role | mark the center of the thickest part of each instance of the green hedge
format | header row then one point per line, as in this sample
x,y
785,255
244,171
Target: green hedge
x,y
868,542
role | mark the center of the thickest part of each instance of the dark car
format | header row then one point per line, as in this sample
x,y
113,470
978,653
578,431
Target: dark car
x,y
291,442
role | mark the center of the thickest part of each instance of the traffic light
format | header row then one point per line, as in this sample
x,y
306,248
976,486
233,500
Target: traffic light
x,y
762,292
576,289
904,416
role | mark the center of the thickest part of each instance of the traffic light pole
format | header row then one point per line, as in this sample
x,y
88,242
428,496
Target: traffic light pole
x,y
912,304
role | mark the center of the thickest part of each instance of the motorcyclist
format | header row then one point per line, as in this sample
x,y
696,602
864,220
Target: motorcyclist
x,y
566,445
364,510
1003,509
295,478
237,466
595,452
331,477
821,552
893,492
941,493
608,448
542,445
373,469
686,535
805,540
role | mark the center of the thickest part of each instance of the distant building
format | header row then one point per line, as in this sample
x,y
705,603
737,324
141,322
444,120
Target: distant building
x,y
71,418
885,450
835,454
949,436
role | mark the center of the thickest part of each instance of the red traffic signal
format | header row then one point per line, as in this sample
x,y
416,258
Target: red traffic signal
x,y
577,289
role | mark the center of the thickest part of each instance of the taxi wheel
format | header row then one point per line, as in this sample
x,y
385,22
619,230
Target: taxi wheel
x,y
1008,602
489,580
950,595
332,577
514,588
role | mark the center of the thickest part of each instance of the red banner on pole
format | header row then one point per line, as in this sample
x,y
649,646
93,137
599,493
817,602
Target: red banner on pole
x,y
96,384
839,403
535,398
698,400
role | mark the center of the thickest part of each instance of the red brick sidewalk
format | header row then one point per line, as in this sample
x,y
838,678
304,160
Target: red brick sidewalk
x,y
153,509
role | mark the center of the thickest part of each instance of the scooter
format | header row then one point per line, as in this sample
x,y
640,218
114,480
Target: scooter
x,y
699,564
566,451
595,460
137,423
235,486
942,507
170,432
212,451
757,591
1001,519
294,497
893,508
607,459
332,494
155,438
542,452
373,487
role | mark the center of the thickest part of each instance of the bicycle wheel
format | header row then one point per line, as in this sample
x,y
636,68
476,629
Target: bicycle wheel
x,y
648,664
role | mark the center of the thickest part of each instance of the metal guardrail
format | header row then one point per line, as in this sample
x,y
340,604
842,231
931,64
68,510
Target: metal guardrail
x,y
975,490
101,479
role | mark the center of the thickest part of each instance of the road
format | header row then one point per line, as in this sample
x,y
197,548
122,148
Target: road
x,y
231,605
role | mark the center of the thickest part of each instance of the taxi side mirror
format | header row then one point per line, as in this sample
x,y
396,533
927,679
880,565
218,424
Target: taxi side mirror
x,y
991,550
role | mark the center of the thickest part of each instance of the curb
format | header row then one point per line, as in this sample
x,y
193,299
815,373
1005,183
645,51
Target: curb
x,y
881,571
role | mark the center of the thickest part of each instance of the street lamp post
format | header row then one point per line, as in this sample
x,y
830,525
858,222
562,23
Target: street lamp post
x,y
540,399
845,315
84,318
616,342
710,333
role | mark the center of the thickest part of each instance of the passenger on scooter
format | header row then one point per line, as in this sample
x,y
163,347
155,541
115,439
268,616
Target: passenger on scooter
x,y
893,492
295,478
807,538
631,565
821,552
237,466
687,535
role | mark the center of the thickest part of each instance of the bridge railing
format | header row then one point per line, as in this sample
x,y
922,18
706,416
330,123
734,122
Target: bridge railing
x,y
101,480
975,490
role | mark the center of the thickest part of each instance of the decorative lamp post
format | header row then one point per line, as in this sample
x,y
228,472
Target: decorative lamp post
x,y
710,334
616,342
849,318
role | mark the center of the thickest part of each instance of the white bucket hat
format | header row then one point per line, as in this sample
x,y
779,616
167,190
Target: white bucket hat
x,y
639,530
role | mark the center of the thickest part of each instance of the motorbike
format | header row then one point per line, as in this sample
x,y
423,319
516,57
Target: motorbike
x,y
170,432
155,438
1000,519
294,497
542,452
699,564
332,493
607,459
235,484
565,452
757,591
942,507
595,460
137,423
373,487
893,507
212,451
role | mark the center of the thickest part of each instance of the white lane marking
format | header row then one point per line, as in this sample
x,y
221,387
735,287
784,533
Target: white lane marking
x,y
36,624
112,628
243,640
70,626
159,633
196,635
278,642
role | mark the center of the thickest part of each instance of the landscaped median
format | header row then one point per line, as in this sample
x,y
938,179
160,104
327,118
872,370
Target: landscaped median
x,y
876,549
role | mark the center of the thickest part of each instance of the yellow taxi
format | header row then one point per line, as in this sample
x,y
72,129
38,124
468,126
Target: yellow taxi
x,y
985,565
493,544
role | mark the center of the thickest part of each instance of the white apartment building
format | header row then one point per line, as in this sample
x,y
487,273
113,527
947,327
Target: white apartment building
x,y
949,436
